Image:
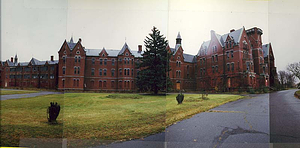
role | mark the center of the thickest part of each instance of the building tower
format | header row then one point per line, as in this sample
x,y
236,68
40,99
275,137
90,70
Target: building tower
x,y
178,39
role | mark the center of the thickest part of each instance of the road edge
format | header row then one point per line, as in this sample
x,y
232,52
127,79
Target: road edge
x,y
297,94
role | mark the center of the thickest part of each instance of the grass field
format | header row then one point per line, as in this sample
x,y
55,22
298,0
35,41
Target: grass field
x,y
11,92
297,93
94,116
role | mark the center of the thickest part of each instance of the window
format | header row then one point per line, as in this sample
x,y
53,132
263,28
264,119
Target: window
x,y
232,67
77,52
128,70
64,59
78,68
213,69
131,61
230,44
216,58
75,59
231,54
112,84
100,72
264,69
201,72
248,66
212,58
204,61
200,61
131,72
93,60
93,71
75,70
105,61
120,71
100,84
78,59
63,82
204,71
77,82
113,62
51,76
216,69
64,70
124,60
100,61
113,72
104,83
124,72
228,67
74,82
104,72
227,53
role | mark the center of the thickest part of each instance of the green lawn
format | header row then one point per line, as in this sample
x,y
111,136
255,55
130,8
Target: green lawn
x,y
298,93
102,117
10,92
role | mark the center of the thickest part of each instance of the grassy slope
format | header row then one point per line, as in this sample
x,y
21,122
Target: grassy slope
x,y
10,92
94,116
298,93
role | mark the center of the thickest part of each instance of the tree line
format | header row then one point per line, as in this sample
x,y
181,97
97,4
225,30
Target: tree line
x,y
288,78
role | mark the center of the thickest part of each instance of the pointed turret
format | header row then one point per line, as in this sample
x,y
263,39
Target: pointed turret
x,y
16,59
178,39
71,40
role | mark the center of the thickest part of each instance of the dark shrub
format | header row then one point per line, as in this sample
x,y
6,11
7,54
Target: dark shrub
x,y
265,90
53,111
180,98
251,91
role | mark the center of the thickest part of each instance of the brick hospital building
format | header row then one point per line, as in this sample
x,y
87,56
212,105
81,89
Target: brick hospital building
x,y
237,59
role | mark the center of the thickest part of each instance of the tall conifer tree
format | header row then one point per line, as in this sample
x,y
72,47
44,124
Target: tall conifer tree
x,y
154,64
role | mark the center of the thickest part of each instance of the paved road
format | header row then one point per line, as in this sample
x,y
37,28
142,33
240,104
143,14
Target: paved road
x,y
255,123
243,123
284,118
17,96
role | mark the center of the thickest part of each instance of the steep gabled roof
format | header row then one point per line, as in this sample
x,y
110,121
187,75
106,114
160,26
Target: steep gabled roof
x,y
189,58
204,47
125,46
235,35
71,44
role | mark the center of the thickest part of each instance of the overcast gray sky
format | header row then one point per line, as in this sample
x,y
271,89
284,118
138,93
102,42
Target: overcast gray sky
x,y
37,28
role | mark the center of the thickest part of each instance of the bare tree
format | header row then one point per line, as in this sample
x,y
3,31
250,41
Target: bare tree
x,y
282,78
294,68
286,79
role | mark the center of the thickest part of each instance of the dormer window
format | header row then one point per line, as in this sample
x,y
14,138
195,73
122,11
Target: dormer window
x,y
103,54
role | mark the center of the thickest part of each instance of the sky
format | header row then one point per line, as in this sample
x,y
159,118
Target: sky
x,y
38,28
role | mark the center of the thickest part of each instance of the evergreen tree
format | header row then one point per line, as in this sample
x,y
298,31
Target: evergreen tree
x,y
154,65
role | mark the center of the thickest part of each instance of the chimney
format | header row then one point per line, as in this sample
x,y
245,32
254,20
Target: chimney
x,y
140,48
12,59
232,30
80,40
52,58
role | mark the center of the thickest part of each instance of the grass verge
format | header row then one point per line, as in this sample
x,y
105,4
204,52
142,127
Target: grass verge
x,y
99,117
11,92
297,94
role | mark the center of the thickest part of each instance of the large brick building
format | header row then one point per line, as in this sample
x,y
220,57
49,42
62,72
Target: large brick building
x,y
237,59
35,73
